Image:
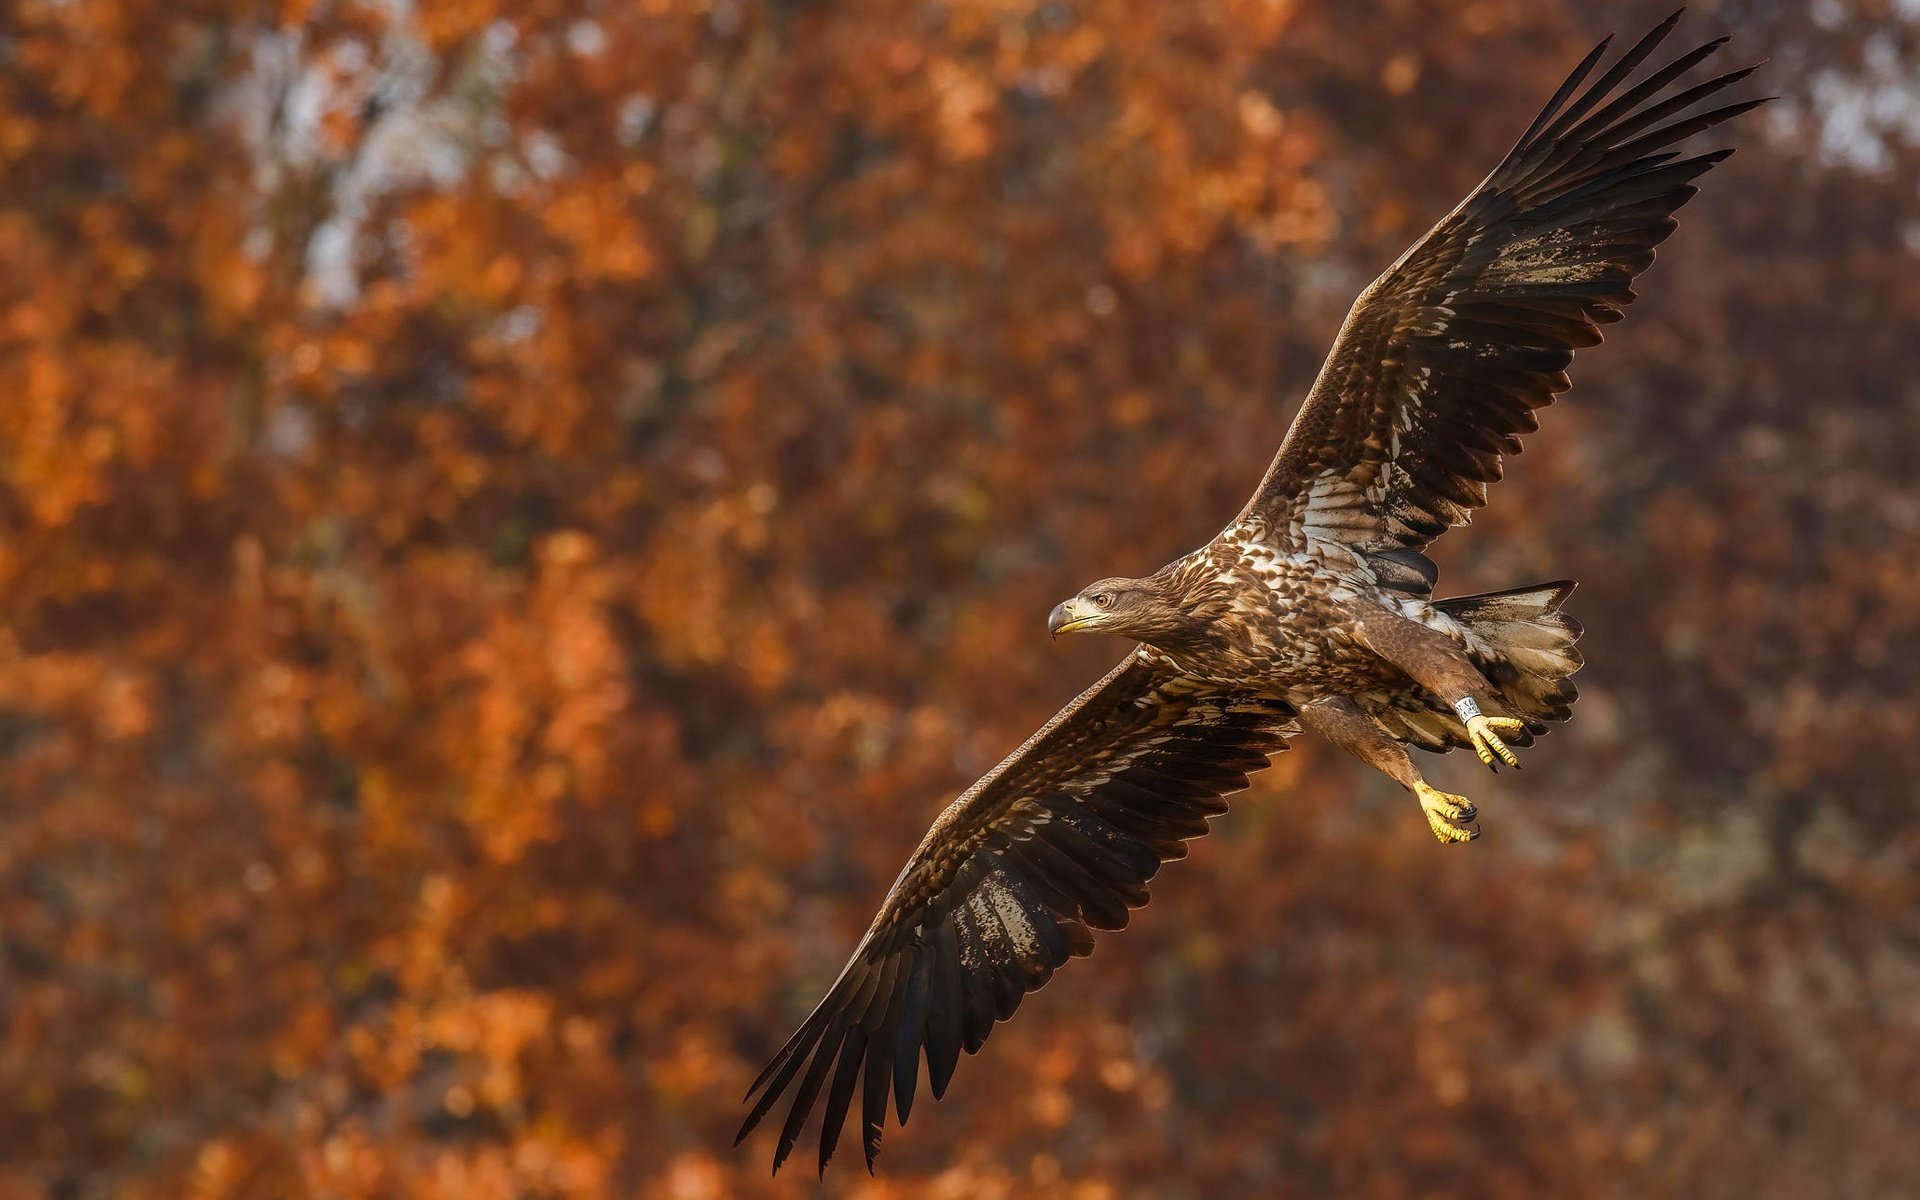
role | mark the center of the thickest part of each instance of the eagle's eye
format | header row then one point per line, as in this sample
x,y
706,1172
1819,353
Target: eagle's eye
x,y
1103,599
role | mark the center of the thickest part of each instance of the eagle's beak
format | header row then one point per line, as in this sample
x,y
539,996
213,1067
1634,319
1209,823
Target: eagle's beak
x,y
1066,617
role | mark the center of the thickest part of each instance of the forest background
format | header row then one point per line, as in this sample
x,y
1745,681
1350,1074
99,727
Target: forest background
x,y
514,516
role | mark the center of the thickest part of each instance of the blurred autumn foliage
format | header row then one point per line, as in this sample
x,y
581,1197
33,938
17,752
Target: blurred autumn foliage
x,y
514,516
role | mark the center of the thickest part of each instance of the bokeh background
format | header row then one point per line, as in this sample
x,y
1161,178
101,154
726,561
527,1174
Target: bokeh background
x,y
514,516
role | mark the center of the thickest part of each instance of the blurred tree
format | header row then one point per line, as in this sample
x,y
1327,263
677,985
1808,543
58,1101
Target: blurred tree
x,y
514,516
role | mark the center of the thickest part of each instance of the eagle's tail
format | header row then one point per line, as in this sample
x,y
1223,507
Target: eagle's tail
x,y
1524,645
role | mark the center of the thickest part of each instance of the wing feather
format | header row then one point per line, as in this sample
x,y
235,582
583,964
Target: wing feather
x,y
1062,836
1445,359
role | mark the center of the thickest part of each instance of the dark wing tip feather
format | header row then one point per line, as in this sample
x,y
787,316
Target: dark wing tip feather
x,y
1573,81
1622,67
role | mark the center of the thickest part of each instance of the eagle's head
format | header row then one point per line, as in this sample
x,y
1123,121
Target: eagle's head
x,y
1140,609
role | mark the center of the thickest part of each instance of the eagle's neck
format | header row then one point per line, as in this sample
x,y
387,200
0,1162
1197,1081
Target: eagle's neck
x,y
1196,607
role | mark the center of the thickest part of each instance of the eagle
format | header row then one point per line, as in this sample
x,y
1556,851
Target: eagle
x,y
1312,611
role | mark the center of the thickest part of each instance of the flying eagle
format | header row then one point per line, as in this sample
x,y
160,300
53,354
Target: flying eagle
x,y
1313,610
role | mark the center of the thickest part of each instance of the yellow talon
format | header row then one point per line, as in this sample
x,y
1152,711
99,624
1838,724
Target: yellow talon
x,y
1447,814
1485,734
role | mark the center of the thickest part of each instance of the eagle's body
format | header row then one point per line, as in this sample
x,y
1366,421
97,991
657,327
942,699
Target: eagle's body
x,y
1313,611
1316,623
1280,623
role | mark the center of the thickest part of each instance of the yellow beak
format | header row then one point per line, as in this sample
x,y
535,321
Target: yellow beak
x,y
1067,616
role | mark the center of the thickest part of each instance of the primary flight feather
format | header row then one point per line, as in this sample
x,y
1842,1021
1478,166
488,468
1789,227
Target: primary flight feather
x,y
1312,611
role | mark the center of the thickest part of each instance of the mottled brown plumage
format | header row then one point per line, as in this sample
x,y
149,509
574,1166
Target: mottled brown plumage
x,y
1313,610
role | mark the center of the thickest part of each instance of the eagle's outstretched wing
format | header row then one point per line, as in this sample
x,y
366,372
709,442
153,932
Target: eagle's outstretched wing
x,y
1443,359
1058,840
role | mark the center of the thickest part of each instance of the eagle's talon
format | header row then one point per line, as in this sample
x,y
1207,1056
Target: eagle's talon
x,y
1449,834
1485,733
1447,814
